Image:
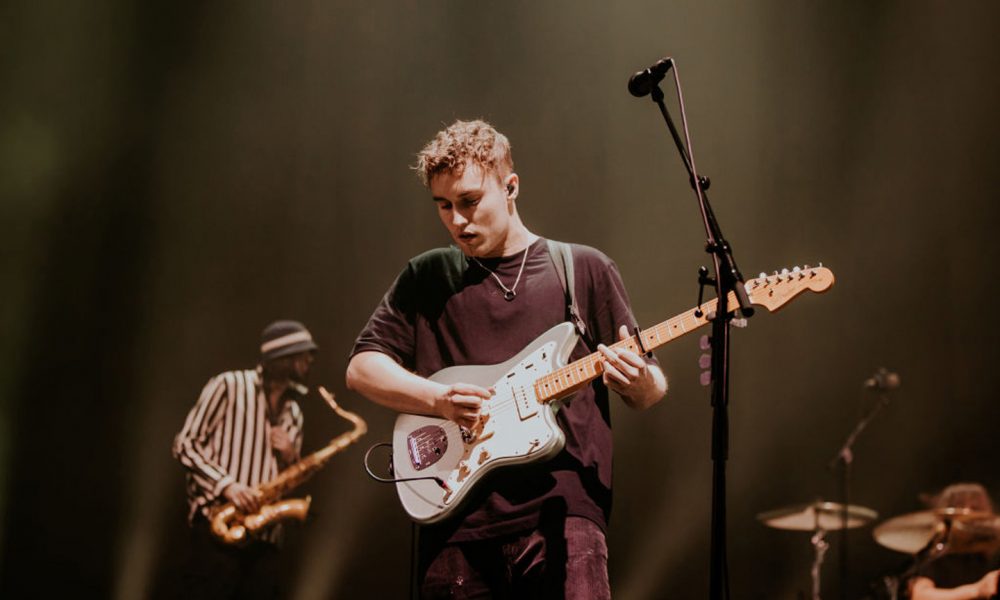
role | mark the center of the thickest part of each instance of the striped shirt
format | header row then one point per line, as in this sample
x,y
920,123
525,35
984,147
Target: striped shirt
x,y
226,438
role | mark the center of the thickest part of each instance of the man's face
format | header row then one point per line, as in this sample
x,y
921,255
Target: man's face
x,y
300,366
294,366
475,208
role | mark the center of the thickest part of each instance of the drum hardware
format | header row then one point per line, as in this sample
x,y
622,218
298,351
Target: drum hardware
x,y
818,517
950,530
930,534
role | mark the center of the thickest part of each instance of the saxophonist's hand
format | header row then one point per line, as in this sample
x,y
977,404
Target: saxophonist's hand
x,y
282,444
245,498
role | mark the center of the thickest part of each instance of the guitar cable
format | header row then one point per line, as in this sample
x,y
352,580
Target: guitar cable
x,y
379,479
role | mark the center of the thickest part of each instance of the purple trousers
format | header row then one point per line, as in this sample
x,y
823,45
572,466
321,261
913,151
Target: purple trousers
x,y
568,562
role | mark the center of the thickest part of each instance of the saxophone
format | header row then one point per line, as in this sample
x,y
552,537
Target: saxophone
x,y
232,527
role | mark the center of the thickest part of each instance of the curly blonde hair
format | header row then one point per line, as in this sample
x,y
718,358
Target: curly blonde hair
x,y
475,141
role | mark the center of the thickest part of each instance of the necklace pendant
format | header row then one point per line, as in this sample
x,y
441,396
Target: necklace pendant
x,y
508,294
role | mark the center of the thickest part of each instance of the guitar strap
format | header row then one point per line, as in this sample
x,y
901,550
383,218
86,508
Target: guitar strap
x,y
562,257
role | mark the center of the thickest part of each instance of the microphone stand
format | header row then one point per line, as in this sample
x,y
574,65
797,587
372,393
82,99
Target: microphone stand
x,y
844,459
727,279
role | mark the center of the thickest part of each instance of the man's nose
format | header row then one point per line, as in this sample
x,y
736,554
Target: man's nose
x,y
458,219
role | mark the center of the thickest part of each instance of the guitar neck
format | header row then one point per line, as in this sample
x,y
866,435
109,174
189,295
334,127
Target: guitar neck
x,y
579,373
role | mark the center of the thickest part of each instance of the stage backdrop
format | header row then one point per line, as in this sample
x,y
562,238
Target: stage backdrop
x,y
174,175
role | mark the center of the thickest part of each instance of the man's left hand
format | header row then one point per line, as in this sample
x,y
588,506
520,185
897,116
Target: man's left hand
x,y
630,376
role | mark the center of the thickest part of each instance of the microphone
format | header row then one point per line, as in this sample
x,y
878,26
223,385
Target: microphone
x,y
642,83
883,380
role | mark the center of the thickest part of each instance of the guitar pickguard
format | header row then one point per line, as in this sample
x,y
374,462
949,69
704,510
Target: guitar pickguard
x,y
515,428
511,425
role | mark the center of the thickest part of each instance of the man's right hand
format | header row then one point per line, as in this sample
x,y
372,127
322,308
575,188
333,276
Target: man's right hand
x,y
246,499
462,403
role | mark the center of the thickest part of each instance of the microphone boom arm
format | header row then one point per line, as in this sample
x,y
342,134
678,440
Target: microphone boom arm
x,y
715,244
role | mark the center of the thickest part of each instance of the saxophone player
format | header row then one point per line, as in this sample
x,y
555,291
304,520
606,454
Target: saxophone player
x,y
244,429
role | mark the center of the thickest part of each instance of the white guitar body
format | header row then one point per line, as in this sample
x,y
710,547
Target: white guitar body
x,y
518,429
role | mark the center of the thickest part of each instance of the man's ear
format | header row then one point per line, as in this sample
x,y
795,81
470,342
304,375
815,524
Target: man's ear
x,y
512,183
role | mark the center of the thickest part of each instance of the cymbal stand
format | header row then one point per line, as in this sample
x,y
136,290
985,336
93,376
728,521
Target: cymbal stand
x,y
935,549
820,546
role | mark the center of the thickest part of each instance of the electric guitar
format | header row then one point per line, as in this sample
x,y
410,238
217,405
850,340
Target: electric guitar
x,y
437,463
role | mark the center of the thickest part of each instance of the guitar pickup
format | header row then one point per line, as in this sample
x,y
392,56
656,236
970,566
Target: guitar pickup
x,y
525,407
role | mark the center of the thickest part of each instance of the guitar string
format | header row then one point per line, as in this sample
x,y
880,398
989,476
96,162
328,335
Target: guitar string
x,y
590,362
587,363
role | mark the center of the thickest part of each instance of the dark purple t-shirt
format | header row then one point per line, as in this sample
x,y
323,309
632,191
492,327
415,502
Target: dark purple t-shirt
x,y
445,310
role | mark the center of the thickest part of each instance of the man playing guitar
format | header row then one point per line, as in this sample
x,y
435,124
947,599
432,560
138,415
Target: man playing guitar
x,y
537,529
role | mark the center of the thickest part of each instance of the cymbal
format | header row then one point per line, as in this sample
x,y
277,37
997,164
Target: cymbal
x,y
971,531
817,515
908,533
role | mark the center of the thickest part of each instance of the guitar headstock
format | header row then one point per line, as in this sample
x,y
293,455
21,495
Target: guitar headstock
x,y
773,291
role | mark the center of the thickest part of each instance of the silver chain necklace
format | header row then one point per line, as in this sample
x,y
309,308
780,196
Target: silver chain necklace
x,y
508,293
